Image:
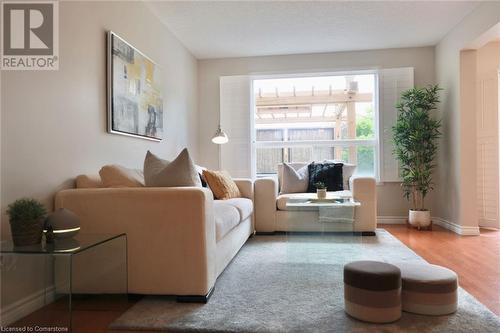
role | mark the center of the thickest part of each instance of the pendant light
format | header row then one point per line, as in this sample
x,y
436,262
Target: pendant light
x,y
220,137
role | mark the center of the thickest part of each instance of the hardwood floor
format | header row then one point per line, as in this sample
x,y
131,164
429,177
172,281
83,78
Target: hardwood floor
x,y
475,259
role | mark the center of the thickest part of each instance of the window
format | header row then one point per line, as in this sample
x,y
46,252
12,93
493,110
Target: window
x,y
303,119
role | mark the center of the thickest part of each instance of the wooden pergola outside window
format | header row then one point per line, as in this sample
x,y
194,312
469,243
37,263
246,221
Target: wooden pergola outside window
x,y
327,109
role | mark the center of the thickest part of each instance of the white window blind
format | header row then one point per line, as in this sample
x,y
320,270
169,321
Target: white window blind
x,y
487,151
392,82
236,120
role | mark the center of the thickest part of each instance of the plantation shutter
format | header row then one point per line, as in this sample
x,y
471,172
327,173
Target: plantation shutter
x,y
487,149
236,120
392,82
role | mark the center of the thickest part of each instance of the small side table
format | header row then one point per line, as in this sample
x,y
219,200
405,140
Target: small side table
x,y
86,264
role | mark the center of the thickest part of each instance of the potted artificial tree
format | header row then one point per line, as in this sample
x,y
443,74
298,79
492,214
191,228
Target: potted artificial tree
x,y
26,217
415,136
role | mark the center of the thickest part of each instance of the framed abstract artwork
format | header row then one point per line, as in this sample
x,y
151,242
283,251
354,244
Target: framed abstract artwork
x,y
135,101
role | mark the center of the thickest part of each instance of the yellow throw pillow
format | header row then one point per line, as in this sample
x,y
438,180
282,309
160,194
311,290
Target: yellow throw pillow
x,y
114,175
221,184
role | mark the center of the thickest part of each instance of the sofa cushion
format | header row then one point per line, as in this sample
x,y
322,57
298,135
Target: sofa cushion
x,y
88,181
114,175
330,174
221,184
282,199
226,218
294,181
179,172
243,205
295,165
347,170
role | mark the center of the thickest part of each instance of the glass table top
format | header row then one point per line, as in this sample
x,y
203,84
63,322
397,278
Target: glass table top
x,y
334,202
73,245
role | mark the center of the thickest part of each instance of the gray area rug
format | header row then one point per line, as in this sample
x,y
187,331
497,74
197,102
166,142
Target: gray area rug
x,y
293,283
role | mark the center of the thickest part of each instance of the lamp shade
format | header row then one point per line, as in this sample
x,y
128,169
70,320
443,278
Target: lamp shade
x,y
220,137
64,223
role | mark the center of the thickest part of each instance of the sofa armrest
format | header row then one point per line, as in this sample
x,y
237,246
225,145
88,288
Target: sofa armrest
x,y
266,192
364,190
170,232
245,186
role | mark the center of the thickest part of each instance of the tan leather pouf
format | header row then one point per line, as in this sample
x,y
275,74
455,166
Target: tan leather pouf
x,y
372,291
428,289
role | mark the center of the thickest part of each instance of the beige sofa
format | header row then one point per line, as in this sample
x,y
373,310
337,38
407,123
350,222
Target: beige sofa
x,y
272,215
179,239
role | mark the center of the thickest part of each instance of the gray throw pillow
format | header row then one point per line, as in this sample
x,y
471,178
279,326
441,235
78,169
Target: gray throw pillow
x,y
162,173
294,181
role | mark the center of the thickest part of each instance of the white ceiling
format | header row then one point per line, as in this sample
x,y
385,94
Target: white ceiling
x,y
211,29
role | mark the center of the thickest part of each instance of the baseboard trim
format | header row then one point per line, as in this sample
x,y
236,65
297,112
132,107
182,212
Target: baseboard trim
x,y
23,307
391,220
488,224
456,228
459,229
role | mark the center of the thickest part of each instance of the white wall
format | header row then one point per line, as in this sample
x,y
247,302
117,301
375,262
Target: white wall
x,y
209,71
54,122
457,187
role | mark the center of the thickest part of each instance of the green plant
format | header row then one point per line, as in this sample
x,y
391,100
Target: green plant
x,y
415,137
365,154
320,185
24,210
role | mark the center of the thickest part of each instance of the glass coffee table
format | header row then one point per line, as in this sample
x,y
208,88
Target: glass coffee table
x,y
321,234
333,214
61,277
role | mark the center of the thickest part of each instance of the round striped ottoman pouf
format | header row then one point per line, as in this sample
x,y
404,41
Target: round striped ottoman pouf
x,y
428,289
372,291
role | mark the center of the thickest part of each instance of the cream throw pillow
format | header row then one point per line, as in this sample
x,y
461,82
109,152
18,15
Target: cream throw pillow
x,y
114,175
178,173
294,181
88,181
221,184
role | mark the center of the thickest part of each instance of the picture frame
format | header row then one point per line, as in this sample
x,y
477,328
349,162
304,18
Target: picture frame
x,y
134,92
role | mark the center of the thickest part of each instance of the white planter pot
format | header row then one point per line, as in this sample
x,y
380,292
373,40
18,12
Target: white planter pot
x,y
419,218
321,193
